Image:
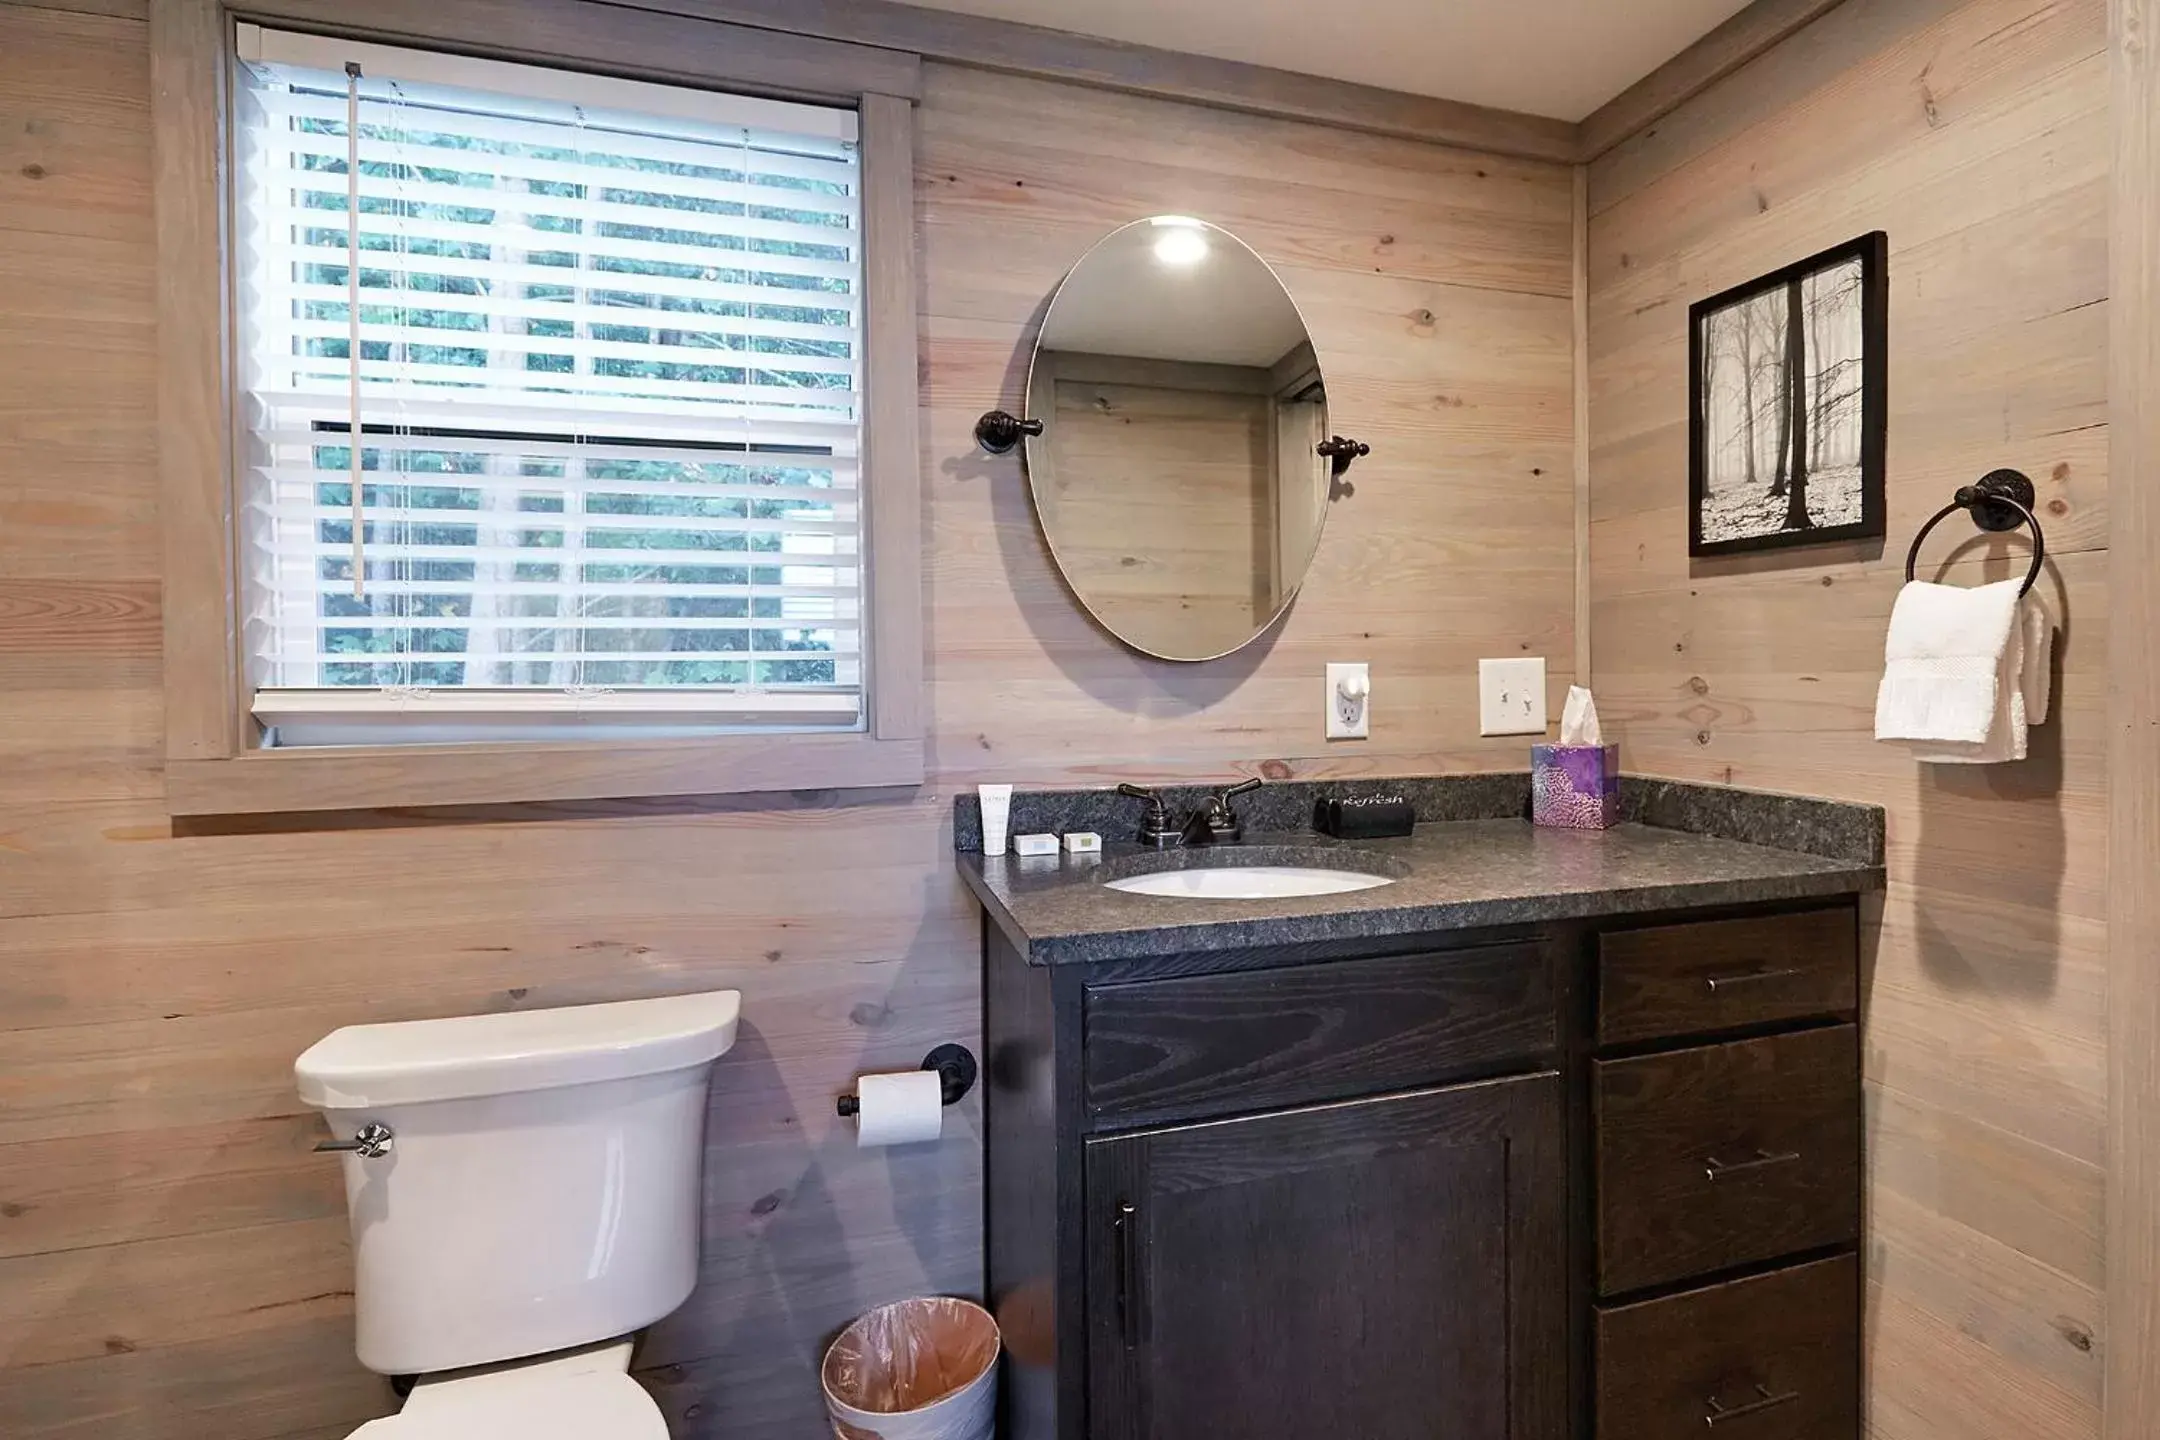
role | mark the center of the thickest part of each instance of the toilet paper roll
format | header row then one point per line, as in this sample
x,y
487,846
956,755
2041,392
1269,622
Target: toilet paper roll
x,y
899,1109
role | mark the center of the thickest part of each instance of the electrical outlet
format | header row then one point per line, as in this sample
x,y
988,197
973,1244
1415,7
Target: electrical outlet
x,y
1511,696
1349,702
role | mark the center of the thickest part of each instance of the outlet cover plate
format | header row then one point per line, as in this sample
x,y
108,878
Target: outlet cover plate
x,y
1511,696
1347,720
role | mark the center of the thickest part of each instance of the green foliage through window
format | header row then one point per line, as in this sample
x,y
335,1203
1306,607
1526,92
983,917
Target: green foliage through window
x,y
609,399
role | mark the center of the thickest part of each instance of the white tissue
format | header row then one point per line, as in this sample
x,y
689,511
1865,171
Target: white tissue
x,y
1578,721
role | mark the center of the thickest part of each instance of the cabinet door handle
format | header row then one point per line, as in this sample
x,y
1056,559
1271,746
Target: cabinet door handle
x,y
1128,1272
1715,1168
1716,1412
1719,984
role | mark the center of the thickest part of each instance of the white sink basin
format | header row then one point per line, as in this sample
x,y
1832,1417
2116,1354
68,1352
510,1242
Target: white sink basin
x,y
1248,882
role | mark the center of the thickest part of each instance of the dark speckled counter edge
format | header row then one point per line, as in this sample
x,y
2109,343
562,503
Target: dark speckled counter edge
x,y
1157,942
1832,829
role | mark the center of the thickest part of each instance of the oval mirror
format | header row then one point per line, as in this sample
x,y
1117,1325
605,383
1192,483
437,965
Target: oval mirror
x,y
1175,474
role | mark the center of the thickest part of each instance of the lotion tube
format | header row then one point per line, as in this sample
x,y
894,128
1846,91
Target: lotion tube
x,y
996,816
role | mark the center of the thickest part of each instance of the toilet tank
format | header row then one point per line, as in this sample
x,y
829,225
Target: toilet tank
x,y
543,1184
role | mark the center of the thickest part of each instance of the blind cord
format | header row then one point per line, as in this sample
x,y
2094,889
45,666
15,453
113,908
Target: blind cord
x,y
352,313
399,484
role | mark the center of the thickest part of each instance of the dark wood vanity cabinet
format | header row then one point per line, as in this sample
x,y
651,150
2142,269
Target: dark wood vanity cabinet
x,y
1553,1186
1385,1268
1726,1178
1724,1155
1774,1356
1246,1041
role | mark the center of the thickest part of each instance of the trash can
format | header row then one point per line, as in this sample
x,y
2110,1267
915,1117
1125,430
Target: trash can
x,y
917,1370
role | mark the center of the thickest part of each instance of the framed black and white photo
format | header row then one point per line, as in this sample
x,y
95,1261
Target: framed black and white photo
x,y
1788,405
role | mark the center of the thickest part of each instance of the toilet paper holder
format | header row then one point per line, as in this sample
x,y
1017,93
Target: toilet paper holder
x,y
956,1070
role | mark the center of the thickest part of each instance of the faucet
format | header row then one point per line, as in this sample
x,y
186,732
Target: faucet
x,y
1213,823
1216,822
1156,831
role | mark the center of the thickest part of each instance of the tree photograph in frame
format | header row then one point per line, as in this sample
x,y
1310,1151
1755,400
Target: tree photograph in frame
x,y
1788,405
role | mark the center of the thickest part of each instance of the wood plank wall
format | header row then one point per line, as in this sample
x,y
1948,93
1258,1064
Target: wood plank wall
x,y
173,1263
1976,133
2133,1003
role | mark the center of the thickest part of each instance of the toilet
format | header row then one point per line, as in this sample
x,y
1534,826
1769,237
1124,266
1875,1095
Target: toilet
x,y
525,1192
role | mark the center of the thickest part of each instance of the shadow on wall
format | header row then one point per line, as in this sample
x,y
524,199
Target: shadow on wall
x,y
1959,861
1111,674
684,1359
793,1211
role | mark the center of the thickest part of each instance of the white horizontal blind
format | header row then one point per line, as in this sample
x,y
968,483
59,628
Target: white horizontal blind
x,y
608,375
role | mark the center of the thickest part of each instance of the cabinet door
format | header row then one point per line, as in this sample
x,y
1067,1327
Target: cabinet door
x,y
1389,1269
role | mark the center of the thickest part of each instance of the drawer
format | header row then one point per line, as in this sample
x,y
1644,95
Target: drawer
x,y
1726,1154
1259,1039
1687,979
1774,1357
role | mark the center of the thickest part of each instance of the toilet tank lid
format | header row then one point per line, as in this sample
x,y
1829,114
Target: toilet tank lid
x,y
415,1061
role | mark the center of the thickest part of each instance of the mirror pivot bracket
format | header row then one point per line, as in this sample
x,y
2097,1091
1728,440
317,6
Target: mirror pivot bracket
x,y
1335,448
1000,430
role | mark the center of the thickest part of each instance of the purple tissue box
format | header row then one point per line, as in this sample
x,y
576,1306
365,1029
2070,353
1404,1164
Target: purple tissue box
x,y
1575,787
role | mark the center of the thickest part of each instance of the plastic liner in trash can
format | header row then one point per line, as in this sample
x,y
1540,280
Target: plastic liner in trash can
x,y
918,1370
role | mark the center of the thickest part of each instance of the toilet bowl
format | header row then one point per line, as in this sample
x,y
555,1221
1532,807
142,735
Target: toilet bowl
x,y
525,1192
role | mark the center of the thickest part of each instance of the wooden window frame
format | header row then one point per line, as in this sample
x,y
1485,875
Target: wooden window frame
x,y
213,763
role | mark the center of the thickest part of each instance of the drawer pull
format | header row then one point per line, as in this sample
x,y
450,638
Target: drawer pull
x,y
1714,1168
1719,984
1716,1412
1128,1274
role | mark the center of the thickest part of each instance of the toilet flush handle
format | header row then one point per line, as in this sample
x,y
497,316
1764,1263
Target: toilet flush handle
x,y
371,1141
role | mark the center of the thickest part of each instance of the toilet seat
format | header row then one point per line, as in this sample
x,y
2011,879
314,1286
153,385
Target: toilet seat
x,y
582,1396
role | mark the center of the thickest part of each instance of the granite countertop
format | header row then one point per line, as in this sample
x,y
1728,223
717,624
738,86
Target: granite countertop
x,y
1453,874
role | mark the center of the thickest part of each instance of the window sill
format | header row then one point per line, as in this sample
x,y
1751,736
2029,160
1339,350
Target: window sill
x,y
374,777
321,718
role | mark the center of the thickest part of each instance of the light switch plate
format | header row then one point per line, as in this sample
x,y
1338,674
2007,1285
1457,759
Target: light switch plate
x,y
1349,702
1511,696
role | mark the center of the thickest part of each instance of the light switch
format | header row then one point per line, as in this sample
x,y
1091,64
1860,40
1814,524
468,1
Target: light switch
x,y
1511,696
1349,702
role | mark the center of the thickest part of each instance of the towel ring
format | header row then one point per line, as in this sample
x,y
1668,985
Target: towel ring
x,y
2000,500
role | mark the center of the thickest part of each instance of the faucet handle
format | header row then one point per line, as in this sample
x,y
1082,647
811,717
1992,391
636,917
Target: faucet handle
x,y
1155,828
1220,817
1220,804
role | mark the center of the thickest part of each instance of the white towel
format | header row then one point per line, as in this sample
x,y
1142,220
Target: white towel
x,y
2009,727
2039,660
1966,673
1942,662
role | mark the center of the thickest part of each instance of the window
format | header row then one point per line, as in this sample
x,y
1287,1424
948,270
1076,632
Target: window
x,y
609,403
639,485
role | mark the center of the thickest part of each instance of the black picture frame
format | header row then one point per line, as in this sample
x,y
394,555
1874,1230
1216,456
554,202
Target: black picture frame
x,y
1873,252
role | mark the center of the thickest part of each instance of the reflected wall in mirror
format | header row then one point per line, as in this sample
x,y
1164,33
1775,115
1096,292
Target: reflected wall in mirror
x,y
1176,476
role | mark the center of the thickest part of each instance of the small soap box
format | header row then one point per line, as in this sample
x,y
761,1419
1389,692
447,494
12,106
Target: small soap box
x,y
1365,817
1575,787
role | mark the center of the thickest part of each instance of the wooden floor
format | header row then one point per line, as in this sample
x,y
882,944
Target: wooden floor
x,y
1976,134
173,1261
